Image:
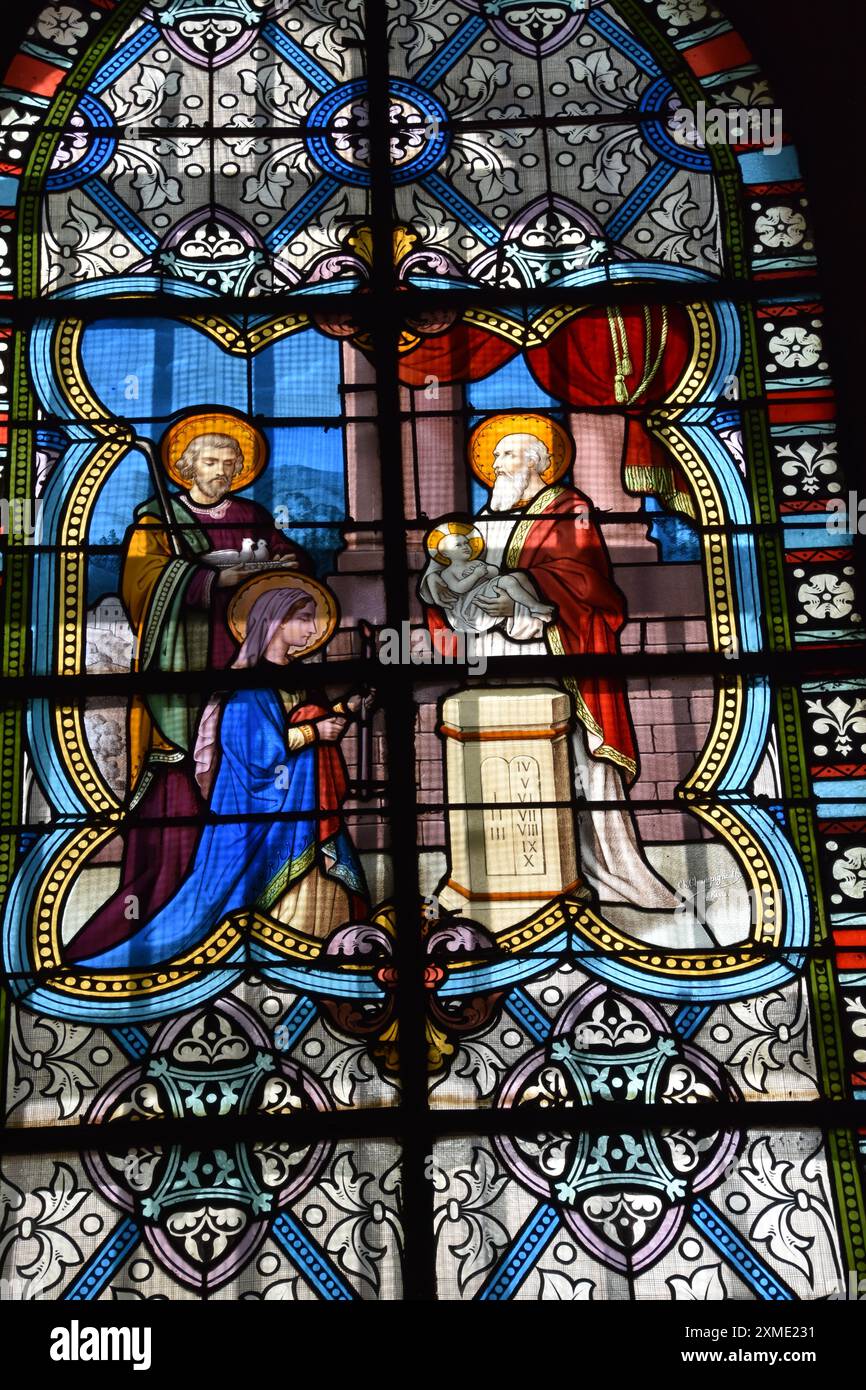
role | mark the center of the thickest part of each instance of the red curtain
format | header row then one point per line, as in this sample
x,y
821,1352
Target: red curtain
x,y
463,353
576,365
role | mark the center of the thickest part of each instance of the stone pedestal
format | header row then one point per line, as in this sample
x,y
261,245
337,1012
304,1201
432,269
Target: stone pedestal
x,y
507,754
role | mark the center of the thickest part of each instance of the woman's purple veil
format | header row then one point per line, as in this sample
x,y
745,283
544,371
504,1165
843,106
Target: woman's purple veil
x,y
267,612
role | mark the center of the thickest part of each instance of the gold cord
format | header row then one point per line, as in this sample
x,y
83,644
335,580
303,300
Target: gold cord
x,y
623,366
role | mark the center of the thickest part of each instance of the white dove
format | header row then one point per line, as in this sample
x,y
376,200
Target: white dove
x,y
246,550
262,554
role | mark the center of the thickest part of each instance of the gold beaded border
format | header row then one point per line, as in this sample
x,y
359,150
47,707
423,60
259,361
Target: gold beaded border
x,y
290,943
185,970
72,565
239,341
571,914
762,881
513,330
48,910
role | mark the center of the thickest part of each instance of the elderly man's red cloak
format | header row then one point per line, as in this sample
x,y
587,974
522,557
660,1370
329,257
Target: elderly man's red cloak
x,y
558,545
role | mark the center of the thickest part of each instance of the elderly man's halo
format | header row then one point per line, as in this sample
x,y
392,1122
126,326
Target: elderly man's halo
x,y
250,441
327,611
486,436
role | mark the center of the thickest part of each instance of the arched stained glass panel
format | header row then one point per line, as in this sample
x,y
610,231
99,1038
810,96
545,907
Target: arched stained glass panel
x,y
431,642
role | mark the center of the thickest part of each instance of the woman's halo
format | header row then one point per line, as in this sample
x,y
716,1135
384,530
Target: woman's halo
x,y
327,609
180,435
486,436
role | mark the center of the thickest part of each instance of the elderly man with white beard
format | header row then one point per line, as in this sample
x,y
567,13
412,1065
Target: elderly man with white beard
x,y
545,530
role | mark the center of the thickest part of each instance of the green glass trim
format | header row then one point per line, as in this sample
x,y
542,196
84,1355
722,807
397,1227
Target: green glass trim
x,y
10,745
832,1075
849,1195
22,397
16,588
803,837
796,787
16,624
828,1031
759,452
756,427
796,784
285,877
14,610
834,1086
5,1006
751,375
771,562
724,161
730,186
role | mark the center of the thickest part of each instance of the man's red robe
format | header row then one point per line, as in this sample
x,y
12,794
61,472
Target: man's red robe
x,y
558,545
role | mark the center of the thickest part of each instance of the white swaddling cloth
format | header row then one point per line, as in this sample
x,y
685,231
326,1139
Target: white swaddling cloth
x,y
464,610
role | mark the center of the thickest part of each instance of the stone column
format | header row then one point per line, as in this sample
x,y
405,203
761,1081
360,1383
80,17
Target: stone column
x,y
507,752
666,604
599,441
435,471
359,581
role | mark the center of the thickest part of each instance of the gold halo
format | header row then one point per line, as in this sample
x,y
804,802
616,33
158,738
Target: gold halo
x,y
434,538
179,436
327,610
490,432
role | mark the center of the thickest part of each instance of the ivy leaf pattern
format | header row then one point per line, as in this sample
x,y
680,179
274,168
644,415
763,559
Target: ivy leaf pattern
x,y
52,1049
776,1037
685,226
370,1226
558,1287
602,78
481,164
155,187
472,1234
350,1068
704,1285
795,1208
275,92
482,1064
333,22
277,177
36,1250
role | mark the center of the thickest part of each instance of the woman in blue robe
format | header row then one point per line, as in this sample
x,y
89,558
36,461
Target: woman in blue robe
x,y
276,780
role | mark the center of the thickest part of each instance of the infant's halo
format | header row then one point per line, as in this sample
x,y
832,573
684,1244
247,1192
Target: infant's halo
x,y
445,529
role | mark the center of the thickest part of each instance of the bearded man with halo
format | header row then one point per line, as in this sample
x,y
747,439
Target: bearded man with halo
x,y
535,524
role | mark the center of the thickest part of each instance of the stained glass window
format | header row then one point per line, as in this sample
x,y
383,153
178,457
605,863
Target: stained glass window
x,y
433,741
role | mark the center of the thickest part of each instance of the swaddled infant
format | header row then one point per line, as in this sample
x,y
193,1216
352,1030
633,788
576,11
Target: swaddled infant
x,y
460,581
